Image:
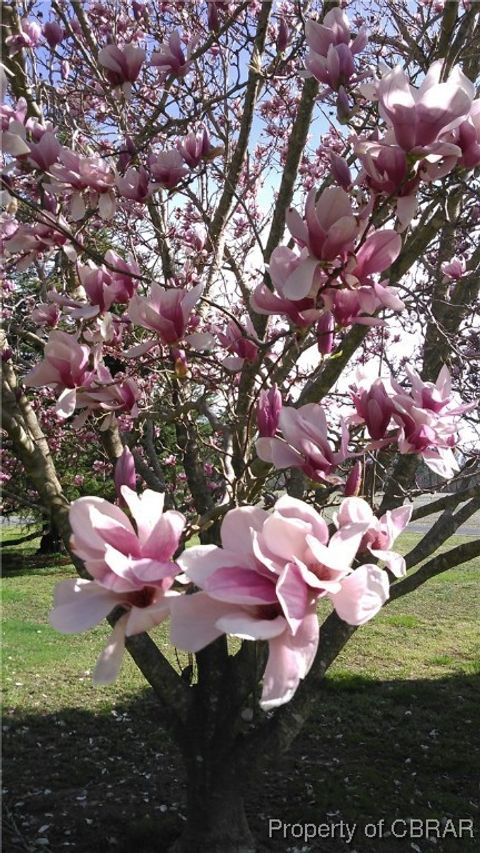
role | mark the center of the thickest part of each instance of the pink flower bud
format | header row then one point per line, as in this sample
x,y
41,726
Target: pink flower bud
x,y
354,481
140,10
340,171
125,472
195,147
53,33
7,354
325,333
343,106
268,411
376,408
282,35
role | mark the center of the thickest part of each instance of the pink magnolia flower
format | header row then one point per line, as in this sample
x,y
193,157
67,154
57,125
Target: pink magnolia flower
x,y
375,255
140,10
455,268
386,171
124,474
374,408
122,64
436,396
106,285
81,173
167,168
264,582
171,58
195,147
340,170
268,411
467,137
29,36
419,116
37,239
65,366
427,417
106,394
353,483
134,184
95,281
166,312
54,33
306,444
46,314
290,272
17,113
44,153
125,275
380,534
283,35
358,305
132,567
328,231
325,332
332,51
213,8
242,348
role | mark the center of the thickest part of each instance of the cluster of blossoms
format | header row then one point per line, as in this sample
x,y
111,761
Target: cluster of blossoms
x,y
82,381
89,181
329,280
422,421
263,583
430,131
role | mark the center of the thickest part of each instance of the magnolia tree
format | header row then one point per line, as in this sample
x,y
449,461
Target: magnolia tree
x,y
249,232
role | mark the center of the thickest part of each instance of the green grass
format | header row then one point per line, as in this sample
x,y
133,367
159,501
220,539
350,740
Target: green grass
x,y
426,634
394,734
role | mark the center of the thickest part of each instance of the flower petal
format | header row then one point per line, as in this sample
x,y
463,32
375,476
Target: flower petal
x,y
240,586
247,627
194,619
293,595
201,561
110,660
289,660
362,595
80,604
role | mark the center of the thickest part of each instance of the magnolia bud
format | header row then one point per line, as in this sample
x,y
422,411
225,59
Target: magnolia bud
x,y
340,171
124,473
282,35
343,106
354,481
268,411
325,333
53,33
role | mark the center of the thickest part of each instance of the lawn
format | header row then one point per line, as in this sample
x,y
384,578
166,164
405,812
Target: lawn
x,y
395,736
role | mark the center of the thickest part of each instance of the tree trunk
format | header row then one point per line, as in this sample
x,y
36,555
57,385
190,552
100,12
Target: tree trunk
x,y
51,541
216,819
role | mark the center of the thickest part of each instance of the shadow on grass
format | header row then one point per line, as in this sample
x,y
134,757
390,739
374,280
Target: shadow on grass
x,y
16,563
113,781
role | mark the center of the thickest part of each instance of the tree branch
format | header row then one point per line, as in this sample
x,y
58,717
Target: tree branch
x,y
441,563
